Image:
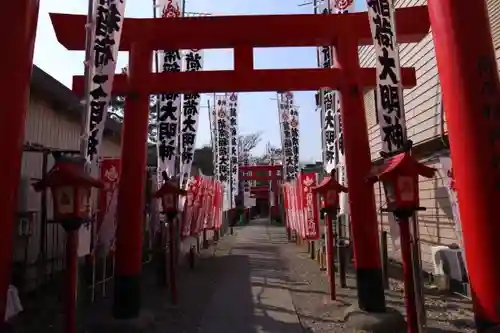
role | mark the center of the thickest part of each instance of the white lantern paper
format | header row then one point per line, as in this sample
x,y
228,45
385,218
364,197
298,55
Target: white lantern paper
x,y
406,188
390,193
65,199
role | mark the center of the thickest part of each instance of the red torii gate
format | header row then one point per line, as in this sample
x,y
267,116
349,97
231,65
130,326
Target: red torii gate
x,y
465,72
249,172
267,31
274,173
346,32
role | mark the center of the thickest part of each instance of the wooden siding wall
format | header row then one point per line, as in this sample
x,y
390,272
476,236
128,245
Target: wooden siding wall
x,y
422,108
44,126
494,15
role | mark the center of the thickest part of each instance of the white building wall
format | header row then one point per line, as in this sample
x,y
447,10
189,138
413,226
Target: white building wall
x,y
51,129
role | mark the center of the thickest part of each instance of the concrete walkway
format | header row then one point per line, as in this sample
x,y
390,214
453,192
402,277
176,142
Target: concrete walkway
x,y
253,296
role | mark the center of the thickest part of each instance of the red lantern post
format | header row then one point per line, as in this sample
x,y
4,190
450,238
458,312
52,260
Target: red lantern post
x,y
70,187
399,175
169,194
329,190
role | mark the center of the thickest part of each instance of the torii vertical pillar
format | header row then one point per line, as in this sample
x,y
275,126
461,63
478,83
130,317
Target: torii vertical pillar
x,y
471,96
18,21
131,200
366,247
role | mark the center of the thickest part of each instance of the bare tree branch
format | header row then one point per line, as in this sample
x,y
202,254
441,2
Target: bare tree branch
x,y
115,112
248,142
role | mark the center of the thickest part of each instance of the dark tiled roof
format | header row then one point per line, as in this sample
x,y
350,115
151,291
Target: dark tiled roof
x,y
63,99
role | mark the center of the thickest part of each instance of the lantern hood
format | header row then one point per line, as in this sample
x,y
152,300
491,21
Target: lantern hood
x,y
329,182
402,161
67,173
169,188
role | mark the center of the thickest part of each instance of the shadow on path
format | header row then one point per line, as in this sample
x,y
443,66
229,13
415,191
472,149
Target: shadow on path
x,y
253,295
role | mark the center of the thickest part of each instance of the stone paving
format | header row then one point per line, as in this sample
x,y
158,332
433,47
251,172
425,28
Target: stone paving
x,y
253,297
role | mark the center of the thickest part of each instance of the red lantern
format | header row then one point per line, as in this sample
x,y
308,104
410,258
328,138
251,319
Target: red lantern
x,y
169,194
329,190
399,175
70,187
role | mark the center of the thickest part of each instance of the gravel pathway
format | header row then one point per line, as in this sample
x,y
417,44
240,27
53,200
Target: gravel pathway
x,y
268,285
293,271
310,292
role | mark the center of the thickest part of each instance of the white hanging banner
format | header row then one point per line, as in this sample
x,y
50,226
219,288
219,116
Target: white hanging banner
x,y
189,118
245,161
340,165
223,148
294,131
108,17
213,131
107,33
389,92
327,101
170,104
287,114
328,129
340,7
270,182
233,114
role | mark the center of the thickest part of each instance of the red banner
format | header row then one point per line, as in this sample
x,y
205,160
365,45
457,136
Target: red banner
x,y
293,215
189,209
301,206
218,206
106,224
310,205
209,221
198,216
284,188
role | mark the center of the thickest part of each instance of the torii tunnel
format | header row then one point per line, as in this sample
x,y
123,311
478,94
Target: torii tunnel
x,y
345,32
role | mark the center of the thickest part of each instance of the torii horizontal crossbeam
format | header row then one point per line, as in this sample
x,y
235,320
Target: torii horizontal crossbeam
x,y
259,177
259,189
212,32
260,167
253,81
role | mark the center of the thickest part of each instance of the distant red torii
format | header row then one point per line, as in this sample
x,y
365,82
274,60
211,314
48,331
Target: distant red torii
x,y
248,172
